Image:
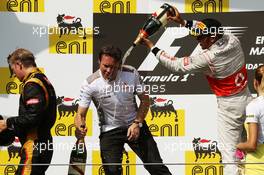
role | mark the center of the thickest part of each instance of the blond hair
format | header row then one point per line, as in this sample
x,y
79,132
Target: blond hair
x,y
24,56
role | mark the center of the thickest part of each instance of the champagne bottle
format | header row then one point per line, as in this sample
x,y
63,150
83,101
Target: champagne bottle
x,y
78,158
154,23
151,26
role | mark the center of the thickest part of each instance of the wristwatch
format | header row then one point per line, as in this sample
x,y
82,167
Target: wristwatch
x,y
139,123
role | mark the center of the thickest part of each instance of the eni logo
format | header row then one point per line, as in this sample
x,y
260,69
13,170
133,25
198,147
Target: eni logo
x,y
22,5
164,120
206,6
70,36
66,111
9,84
10,156
115,6
128,158
203,148
205,159
66,28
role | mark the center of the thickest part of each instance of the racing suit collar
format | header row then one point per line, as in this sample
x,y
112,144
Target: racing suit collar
x,y
28,75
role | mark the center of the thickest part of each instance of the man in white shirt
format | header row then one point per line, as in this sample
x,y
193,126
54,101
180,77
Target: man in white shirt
x,y
112,89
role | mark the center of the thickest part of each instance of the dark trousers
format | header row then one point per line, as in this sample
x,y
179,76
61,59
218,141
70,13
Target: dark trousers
x,y
112,144
31,155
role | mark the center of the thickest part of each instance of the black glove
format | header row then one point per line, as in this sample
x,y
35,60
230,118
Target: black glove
x,y
7,136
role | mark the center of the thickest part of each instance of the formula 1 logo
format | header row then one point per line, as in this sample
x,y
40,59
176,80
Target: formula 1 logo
x,y
165,42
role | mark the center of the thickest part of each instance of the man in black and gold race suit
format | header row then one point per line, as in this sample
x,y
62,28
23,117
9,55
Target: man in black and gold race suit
x,y
37,114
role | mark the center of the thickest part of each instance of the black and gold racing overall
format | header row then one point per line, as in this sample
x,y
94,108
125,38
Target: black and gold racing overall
x,y
37,115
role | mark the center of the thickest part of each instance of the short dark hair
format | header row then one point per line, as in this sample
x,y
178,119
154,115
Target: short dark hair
x,y
212,24
112,51
26,57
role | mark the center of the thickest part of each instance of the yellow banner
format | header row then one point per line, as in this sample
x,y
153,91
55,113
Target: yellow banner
x,y
212,168
128,158
206,6
73,41
9,156
115,6
166,123
64,125
10,85
22,6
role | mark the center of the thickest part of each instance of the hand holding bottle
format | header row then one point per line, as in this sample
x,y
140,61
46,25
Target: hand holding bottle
x,y
145,41
176,17
80,126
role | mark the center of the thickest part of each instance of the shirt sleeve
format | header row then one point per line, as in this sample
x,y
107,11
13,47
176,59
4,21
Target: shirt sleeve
x,y
85,95
251,113
188,64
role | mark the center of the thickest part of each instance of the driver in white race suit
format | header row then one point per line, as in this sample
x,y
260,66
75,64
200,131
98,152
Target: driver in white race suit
x,y
223,63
